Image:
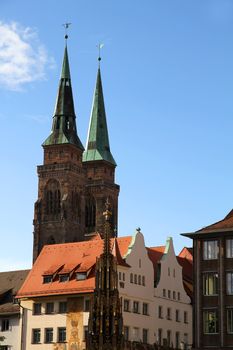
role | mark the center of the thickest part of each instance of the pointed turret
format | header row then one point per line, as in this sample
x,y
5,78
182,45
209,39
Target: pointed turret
x,y
105,326
59,214
64,126
100,166
97,147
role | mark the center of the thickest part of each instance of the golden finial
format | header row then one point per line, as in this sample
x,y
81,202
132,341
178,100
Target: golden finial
x,y
107,213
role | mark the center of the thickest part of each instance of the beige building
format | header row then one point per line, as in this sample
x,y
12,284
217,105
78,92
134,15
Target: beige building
x,y
55,298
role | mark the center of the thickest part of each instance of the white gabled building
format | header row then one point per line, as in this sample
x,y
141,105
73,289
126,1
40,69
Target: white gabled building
x,y
156,306
55,298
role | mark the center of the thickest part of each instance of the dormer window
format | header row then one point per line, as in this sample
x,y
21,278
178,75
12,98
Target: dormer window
x,y
47,279
80,276
64,278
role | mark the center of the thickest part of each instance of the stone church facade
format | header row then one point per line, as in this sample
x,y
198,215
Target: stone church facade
x,y
74,182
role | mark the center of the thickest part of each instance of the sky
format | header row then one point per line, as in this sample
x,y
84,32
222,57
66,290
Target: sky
x,y
167,72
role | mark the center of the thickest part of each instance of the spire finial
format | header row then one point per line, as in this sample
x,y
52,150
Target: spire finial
x,y
99,46
66,26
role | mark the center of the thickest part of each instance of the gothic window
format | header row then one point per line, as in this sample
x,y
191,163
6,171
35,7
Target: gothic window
x,y
52,198
75,202
90,213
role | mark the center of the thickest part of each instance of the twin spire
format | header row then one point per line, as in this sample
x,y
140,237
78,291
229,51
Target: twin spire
x,y
64,129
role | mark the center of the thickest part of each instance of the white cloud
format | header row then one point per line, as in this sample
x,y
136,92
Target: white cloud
x,y
23,59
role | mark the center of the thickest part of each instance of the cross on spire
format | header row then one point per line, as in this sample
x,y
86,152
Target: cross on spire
x,y
66,26
99,46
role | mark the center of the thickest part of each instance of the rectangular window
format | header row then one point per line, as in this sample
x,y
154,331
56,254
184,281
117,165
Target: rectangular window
x,y
36,336
136,307
48,335
61,334
178,295
121,284
135,334
85,333
177,316
210,250
62,307
164,293
229,321
37,309
87,305
168,337
5,325
145,309
119,275
210,319
160,336
185,317
49,308
80,276
229,281
126,305
174,295
160,312
229,248
64,278
210,283
143,281
168,313
131,278
145,336
126,333
47,279
185,341
139,280
123,276
169,294
177,340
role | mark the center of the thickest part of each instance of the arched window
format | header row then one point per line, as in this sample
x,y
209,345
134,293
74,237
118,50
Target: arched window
x,y
75,202
52,198
90,214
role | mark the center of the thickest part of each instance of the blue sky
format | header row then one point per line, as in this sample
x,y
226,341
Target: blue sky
x,y
167,70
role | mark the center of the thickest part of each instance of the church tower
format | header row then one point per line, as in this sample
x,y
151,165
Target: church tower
x,y
59,214
74,184
100,167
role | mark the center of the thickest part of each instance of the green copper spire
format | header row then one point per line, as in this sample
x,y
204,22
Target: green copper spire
x,y
64,126
97,147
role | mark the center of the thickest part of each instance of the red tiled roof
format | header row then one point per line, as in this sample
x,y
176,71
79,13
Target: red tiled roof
x,y
187,266
65,258
186,253
155,253
224,224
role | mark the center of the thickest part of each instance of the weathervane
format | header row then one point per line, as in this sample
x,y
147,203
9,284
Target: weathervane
x,y
66,26
99,46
